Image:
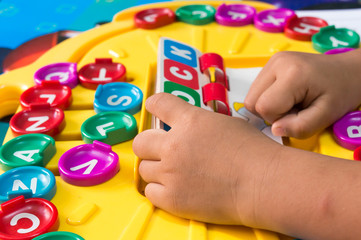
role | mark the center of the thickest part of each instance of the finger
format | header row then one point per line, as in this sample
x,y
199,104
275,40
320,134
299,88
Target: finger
x,y
279,99
264,79
306,122
155,192
147,144
150,171
167,107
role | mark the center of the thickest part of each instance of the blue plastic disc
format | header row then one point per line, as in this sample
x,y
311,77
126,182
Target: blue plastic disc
x,y
118,96
29,181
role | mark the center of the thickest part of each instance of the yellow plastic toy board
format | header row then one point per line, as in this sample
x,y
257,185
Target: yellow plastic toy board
x,y
67,162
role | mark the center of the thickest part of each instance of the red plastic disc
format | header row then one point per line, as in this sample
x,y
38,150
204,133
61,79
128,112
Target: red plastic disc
x,y
27,218
357,154
51,92
303,28
40,118
154,18
103,71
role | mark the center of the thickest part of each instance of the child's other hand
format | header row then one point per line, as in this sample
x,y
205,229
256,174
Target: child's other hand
x,y
303,93
208,167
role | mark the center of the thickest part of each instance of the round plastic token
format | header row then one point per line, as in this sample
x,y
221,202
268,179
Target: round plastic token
x,y
109,127
40,118
30,182
154,18
303,28
235,14
51,92
27,218
357,154
27,150
119,96
103,71
330,37
273,20
338,50
347,130
60,235
196,14
89,164
65,73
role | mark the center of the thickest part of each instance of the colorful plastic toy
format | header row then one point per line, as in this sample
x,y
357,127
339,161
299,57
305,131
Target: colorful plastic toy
x,y
31,182
330,38
103,71
235,14
89,164
199,14
303,28
40,118
117,208
60,235
27,150
119,96
27,218
51,92
154,18
347,130
65,73
273,20
109,127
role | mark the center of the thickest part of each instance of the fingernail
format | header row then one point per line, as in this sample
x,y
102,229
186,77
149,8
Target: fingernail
x,y
279,131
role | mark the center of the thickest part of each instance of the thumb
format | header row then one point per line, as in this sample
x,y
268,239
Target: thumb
x,y
304,123
167,107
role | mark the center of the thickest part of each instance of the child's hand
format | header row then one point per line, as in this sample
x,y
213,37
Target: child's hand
x,y
302,93
208,167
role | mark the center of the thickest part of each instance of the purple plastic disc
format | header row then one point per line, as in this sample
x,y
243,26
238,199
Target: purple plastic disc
x,y
347,130
66,73
338,50
89,164
235,14
273,20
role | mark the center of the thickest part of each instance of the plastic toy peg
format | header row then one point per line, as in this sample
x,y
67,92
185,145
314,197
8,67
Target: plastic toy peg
x,y
330,37
273,20
118,96
347,130
109,127
51,92
338,50
215,96
89,164
26,219
235,14
65,73
27,150
154,18
30,182
60,235
196,14
208,60
303,28
103,71
40,118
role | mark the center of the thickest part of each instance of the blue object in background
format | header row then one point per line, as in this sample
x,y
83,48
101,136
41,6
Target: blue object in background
x,y
23,20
